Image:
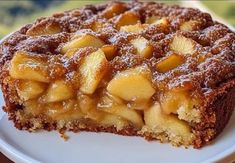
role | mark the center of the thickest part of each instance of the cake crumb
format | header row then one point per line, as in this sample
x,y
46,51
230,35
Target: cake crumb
x,y
64,136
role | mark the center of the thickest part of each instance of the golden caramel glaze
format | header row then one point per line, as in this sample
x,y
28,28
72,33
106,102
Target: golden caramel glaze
x,y
214,42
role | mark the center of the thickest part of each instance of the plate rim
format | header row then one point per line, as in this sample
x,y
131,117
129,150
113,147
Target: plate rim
x,y
222,155
13,154
17,156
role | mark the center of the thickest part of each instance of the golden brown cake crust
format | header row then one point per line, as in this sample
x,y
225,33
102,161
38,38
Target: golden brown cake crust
x,y
213,79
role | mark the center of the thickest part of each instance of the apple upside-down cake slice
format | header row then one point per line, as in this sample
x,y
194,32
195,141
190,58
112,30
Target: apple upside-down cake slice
x,y
137,68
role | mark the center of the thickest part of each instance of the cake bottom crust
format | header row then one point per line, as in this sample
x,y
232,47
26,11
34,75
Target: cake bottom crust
x,y
38,123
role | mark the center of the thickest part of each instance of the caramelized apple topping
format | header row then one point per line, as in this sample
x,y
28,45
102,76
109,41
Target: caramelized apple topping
x,y
92,70
59,90
24,66
152,19
158,122
127,18
28,89
189,25
116,106
155,20
169,63
132,85
81,42
109,51
44,28
111,73
182,45
133,28
114,9
143,47
172,101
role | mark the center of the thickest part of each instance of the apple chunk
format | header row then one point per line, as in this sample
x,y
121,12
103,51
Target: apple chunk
x,y
115,9
162,22
127,18
180,102
182,45
152,19
44,28
109,51
173,100
155,119
88,107
93,68
132,84
142,46
169,63
81,42
28,67
189,25
156,20
114,120
70,53
96,26
126,113
136,28
28,89
59,91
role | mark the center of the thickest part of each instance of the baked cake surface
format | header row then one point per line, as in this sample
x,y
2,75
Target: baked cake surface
x,y
137,68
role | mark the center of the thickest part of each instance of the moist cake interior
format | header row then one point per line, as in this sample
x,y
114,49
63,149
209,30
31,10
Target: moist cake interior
x,y
131,68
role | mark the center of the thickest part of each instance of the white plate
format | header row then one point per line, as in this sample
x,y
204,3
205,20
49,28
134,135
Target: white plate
x,y
21,146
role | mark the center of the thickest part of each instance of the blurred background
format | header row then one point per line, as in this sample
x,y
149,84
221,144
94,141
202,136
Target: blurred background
x,y
15,13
